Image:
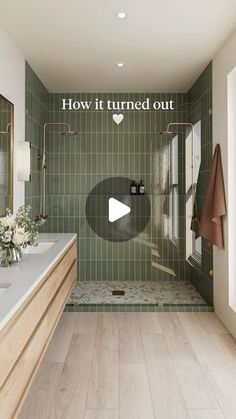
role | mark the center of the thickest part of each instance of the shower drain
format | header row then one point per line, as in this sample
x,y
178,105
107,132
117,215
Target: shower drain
x,y
118,292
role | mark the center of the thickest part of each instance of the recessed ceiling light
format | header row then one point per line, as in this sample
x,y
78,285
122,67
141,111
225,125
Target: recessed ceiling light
x,y
120,65
121,15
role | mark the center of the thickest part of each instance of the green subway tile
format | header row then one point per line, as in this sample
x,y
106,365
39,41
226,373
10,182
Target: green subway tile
x,y
103,149
137,308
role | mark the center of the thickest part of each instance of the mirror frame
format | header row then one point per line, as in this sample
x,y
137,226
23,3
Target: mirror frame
x,y
11,179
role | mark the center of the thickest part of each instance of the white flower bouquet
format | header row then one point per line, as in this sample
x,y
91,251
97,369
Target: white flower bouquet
x,y
17,232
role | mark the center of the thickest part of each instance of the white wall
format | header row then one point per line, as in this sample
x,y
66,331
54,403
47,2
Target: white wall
x,y
223,63
12,86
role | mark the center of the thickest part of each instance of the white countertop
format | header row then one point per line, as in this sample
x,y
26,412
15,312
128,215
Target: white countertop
x,y
27,274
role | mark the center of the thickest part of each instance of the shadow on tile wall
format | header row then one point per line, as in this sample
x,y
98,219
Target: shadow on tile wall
x,y
200,108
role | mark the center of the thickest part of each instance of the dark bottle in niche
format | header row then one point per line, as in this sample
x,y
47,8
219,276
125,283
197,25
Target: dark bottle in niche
x,y
133,188
141,188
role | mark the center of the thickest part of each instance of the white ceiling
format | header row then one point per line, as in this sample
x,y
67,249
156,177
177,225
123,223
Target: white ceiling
x,y
74,45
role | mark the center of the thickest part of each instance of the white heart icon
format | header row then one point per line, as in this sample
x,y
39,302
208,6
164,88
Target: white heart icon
x,y
118,118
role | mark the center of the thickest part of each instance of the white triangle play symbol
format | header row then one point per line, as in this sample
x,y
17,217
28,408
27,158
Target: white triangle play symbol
x,y
117,210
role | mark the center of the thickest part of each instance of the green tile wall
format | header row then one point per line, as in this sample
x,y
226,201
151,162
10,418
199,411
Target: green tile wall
x,y
104,149
200,108
36,114
180,308
5,150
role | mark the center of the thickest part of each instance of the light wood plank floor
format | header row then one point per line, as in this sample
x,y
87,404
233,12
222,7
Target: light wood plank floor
x,y
136,366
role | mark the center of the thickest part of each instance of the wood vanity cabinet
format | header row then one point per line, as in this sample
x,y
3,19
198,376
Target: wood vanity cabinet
x,y
25,338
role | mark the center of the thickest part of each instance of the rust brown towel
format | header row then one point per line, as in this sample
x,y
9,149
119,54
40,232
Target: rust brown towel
x,y
211,227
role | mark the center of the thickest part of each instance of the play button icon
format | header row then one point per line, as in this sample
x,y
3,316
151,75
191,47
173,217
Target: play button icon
x,y
115,215
117,210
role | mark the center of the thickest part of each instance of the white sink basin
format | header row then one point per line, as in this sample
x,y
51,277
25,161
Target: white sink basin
x,y
42,247
4,287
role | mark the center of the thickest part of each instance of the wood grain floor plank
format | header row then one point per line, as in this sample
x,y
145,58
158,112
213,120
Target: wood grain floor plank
x,y
61,339
177,340
167,398
197,392
212,323
40,398
159,376
155,348
102,414
130,340
149,323
206,414
223,381
227,347
103,382
107,324
203,345
135,399
86,323
70,398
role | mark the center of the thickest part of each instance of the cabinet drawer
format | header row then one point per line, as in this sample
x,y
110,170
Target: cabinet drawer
x,y
17,383
15,337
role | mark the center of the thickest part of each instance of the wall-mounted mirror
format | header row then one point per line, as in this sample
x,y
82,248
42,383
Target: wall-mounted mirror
x,y
6,154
